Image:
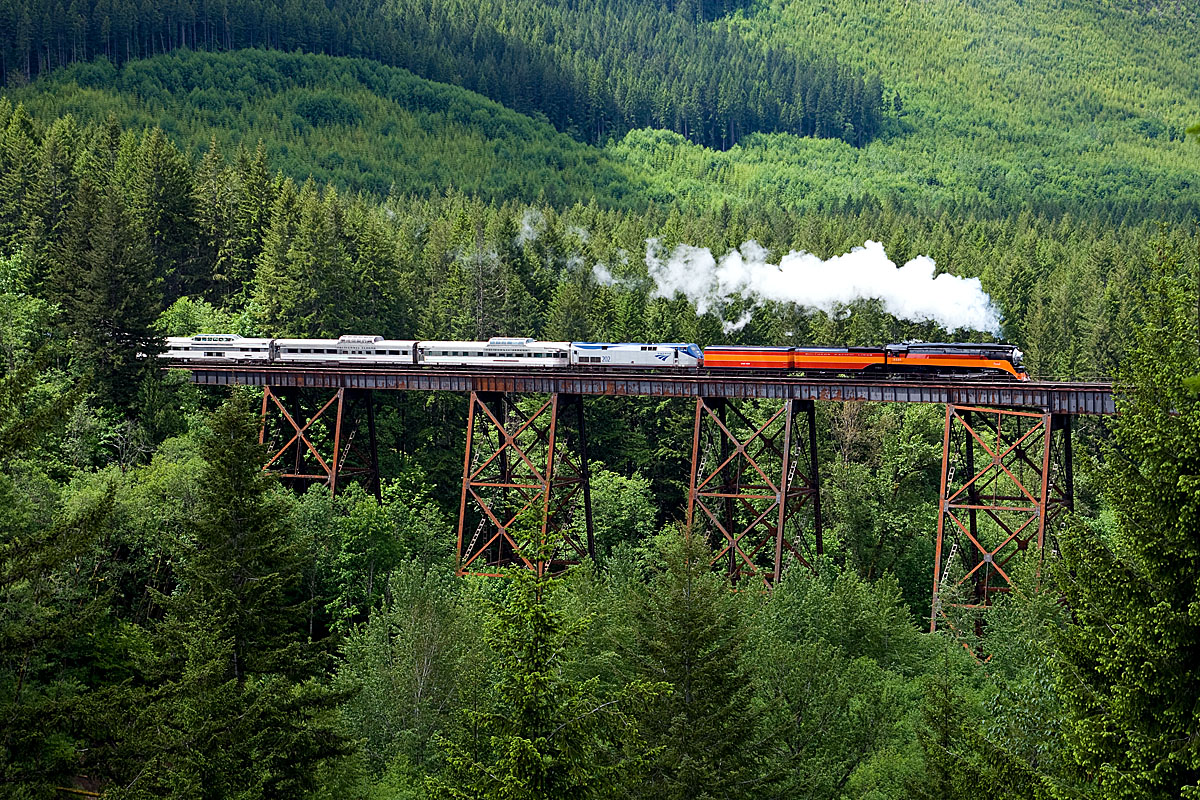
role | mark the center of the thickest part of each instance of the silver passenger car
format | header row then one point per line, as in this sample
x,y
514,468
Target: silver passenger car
x,y
349,349
497,351
216,346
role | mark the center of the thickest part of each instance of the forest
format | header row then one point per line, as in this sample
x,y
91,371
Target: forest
x,y
326,649
174,621
593,69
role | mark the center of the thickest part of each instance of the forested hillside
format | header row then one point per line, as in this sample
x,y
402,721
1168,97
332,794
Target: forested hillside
x,y
352,123
1062,106
595,69
176,622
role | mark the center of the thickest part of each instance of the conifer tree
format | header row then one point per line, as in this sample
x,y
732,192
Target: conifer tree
x,y
18,168
272,289
243,712
53,629
256,201
215,198
50,196
109,294
688,632
1128,669
161,202
547,735
567,316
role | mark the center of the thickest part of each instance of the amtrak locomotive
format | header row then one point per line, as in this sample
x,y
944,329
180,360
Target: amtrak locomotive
x,y
913,359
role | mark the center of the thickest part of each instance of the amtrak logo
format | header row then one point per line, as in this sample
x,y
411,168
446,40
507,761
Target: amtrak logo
x,y
662,356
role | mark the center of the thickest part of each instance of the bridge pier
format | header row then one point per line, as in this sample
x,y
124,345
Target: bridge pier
x,y
517,466
766,473
322,445
992,517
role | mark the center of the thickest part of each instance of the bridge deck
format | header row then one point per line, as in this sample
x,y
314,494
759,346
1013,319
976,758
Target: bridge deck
x,y
1057,398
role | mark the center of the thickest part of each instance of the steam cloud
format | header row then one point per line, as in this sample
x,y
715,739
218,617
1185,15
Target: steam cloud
x,y
533,225
911,292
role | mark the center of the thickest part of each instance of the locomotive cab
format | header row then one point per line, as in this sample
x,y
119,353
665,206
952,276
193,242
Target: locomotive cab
x,y
635,354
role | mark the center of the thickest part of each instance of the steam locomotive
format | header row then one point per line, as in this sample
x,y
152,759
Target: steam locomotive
x,y
906,359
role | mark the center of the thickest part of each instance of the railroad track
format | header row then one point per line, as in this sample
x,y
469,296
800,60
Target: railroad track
x,y
1058,397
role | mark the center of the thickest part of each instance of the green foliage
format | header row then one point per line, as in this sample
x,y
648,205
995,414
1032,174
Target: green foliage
x,y
53,631
413,664
593,70
688,631
380,129
622,508
881,486
113,297
188,317
1127,667
238,709
838,676
173,623
543,735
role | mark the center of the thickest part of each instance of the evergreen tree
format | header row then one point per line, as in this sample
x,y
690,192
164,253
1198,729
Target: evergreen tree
x,y
547,736
688,632
109,294
18,170
1129,666
242,711
56,633
161,202
273,289
256,201
215,200
567,316
49,198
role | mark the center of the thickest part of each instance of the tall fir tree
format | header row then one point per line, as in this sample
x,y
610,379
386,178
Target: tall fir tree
x,y
161,202
547,735
18,171
49,198
243,710
1129,662
56,628
109,293
256,200
215,200
688,632
272,291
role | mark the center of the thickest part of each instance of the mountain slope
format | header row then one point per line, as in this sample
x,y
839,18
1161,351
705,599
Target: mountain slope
x,y
350,122
1059,106
1056,105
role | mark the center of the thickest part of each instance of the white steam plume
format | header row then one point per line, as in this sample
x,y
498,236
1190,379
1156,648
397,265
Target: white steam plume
x,y
741,322
911,292
604,274
533,224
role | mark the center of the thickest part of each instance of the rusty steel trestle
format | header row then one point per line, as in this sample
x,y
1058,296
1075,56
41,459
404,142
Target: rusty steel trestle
x,y
320,443
1005,478
754,497
517,466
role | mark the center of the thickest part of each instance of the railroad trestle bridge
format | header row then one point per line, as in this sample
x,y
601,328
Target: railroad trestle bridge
x,y
754,479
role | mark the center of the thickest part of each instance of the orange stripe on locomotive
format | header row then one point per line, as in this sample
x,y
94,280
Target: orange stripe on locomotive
x,y
748,357
964,361
841,361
